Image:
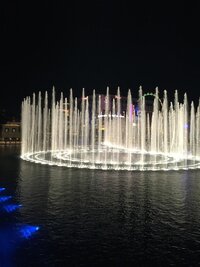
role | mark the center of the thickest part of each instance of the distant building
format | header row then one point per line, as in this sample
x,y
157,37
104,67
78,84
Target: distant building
x,y
10,132
123,104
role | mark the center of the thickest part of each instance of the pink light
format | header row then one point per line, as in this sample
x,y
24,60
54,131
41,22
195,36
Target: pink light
x,y
131,109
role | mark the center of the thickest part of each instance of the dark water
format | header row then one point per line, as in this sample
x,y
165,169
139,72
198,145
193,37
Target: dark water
x,y
97,218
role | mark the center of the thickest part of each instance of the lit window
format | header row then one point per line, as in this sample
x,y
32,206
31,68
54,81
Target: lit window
x,y
6,130
13,130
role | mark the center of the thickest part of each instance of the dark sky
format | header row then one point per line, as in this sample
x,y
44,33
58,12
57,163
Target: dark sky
x,y
94,44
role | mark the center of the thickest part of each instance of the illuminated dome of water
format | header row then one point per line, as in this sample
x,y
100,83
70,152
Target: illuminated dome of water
x,y
111,132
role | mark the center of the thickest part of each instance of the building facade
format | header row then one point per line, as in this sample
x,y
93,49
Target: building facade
x,y
10,132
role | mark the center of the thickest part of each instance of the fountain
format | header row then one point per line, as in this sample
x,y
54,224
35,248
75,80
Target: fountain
x,y
98,133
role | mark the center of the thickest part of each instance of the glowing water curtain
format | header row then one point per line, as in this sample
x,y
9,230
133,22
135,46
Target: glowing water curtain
x,y
111,131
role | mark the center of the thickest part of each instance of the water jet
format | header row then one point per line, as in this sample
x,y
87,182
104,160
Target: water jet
x,y
100,132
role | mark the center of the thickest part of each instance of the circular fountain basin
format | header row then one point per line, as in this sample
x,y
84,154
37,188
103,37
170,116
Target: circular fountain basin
x,y
114,159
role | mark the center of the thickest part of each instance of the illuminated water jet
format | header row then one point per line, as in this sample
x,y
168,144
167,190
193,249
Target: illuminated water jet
x,y
100,132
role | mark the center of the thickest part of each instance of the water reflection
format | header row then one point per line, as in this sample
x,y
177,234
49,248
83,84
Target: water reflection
x,y
12,230
116,217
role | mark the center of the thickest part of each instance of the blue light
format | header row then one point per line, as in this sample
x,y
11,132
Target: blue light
x,y
186,125
6,247
137,111
4,198
11,208
28,230
2,189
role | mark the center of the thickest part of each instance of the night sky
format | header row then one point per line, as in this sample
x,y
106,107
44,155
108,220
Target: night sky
x,y
95,45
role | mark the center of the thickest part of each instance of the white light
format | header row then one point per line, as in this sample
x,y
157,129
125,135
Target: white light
x,y
113,115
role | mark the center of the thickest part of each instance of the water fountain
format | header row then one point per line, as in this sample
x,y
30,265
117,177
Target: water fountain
x,y
102,134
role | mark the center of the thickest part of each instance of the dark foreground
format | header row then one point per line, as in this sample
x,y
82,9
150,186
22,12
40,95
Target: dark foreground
x,y
94,218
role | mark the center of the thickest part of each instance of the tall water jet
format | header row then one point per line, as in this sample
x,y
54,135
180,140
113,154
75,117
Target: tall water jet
x,y
111,131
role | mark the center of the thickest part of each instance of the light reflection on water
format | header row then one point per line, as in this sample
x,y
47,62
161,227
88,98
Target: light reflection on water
x,y
94,216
